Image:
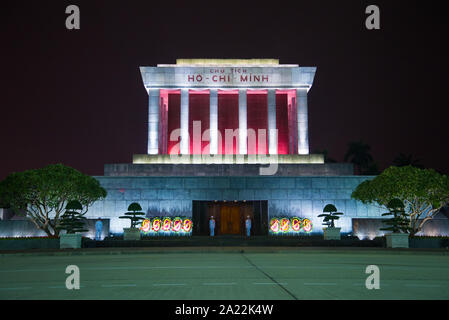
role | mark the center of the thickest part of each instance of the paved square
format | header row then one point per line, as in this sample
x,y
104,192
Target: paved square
x,y
291,273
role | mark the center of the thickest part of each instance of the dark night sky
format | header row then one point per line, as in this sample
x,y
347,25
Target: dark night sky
x,y
76,97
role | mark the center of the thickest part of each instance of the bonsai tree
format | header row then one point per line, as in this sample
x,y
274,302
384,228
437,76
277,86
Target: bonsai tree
x,y
423,191
135,214
399,221
330,215
42,194
73,219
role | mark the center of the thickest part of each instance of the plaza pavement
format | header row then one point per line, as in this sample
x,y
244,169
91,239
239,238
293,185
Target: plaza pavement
x,y
254,273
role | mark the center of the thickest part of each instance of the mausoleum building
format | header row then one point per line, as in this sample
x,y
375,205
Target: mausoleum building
x,y
229,138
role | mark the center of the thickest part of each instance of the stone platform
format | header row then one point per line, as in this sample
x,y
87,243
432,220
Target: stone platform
x,y
235,241
226,170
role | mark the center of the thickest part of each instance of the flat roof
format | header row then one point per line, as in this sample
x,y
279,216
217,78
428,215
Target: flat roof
x,y
227,63
219,62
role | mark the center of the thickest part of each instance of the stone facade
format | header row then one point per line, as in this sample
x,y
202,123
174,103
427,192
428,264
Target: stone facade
x,y
286,196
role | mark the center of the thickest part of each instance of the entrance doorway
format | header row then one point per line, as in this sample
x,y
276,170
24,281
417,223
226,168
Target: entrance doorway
x,y
230,217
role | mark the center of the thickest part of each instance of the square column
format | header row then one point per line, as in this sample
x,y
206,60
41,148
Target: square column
x,y
184,122
303,121
243,130
213,113
272,133
153,121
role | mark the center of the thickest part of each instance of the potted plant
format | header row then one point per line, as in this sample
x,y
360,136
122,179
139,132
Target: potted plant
x,y
397,224
136,215
72,221
330,215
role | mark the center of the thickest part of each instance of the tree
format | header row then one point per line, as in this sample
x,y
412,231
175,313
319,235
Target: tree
x,y
42,194
399,220
330,215
73,219
403,160
325,154
135,210
359,154
423,191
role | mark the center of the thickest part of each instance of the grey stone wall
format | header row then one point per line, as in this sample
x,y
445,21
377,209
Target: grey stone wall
x,y
289,196
22,227
226,170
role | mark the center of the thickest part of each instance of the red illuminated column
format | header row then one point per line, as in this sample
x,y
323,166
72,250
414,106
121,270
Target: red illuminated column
x,y
243,132
153,121
303,122
184,122
272,132
213,113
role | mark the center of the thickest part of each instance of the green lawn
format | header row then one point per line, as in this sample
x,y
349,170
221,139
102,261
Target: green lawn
x,y
292,274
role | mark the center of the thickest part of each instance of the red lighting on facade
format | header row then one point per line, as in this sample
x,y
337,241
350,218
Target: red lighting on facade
x,y
257,119
228,119
198,111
